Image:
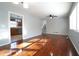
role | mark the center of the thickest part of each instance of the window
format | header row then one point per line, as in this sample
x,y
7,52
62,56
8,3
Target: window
x,y
78,17
73,19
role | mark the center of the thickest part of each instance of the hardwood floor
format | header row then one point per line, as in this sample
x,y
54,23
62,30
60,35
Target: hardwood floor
x,y
44,45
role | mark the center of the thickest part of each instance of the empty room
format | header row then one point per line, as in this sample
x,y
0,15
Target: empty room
x,y
39,28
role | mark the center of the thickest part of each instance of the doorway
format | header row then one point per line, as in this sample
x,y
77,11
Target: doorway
x,y
15,24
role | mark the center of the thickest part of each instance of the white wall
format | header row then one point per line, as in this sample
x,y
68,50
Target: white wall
x,y
31,25
59,25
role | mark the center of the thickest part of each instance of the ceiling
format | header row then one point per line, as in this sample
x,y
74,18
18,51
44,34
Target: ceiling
x,y
43,9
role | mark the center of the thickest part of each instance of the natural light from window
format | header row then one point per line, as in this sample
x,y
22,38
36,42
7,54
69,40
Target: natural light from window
x,y
73,20
78,17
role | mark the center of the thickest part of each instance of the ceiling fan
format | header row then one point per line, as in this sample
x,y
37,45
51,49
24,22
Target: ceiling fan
x,y
51,16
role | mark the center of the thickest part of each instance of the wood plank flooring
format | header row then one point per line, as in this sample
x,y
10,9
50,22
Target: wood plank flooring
x,y
43,45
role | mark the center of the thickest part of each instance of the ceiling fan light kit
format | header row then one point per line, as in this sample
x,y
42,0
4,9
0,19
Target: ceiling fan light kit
x,y
52,16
